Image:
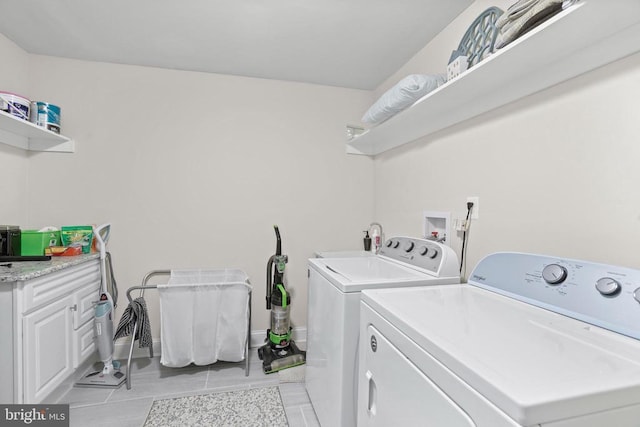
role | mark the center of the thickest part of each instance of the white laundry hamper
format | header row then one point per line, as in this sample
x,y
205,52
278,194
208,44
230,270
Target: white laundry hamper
x,y
204,317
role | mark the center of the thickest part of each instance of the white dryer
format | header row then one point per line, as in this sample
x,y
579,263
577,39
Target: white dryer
x,y
531,340
333,320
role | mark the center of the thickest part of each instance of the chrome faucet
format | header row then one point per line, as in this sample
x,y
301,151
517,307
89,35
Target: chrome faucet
x,y
376,245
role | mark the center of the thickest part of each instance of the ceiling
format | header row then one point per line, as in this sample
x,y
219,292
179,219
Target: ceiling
x,y
346,43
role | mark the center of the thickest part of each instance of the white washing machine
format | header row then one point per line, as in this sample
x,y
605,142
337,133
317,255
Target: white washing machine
x,y
343,254
531,340
334,314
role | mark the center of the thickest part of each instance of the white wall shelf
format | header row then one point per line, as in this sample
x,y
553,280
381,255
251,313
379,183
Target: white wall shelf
x,y
588,35
28,136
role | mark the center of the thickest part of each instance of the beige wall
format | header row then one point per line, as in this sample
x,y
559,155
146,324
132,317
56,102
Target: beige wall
x,y
13,161
193,170
556,172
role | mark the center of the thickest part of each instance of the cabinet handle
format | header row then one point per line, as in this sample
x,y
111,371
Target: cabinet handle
x,y
74,307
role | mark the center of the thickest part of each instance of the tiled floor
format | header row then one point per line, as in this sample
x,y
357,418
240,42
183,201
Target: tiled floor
x,y
121,407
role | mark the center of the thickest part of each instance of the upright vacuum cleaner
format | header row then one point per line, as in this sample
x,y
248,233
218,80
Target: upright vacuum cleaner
x,y
280,352
110,375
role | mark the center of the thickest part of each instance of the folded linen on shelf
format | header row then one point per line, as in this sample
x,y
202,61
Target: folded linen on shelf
x,y
406,92
523,16
516,11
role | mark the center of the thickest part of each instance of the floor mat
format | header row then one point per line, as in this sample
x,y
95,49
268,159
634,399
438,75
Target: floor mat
x,y
255,407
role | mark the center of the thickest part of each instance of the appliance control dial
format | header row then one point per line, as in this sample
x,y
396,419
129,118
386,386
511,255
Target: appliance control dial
x,y
423,250
554,274
389,243
396,244
607,286
409,246
433,254
636,294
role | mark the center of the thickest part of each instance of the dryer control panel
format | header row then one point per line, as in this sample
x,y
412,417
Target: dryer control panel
x,y
603,295
426,254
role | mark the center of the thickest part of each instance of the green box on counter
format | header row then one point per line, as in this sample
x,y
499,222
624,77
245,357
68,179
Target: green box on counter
x,y
34,242
77,235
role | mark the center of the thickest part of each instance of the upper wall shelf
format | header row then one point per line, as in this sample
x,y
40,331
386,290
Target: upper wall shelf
x,y
581,38
22,134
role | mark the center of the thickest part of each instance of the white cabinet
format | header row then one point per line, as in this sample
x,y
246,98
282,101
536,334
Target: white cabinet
x,y
83,333
22,134
51,332
47,348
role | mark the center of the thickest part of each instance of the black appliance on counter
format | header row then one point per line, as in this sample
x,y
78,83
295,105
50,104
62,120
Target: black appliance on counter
x,y
10,240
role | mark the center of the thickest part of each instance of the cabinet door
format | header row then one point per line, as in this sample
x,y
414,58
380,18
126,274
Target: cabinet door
x,y
84,342
47,348
85,297
83,333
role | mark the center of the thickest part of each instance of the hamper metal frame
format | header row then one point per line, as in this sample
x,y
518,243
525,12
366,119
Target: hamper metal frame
x,y
145,285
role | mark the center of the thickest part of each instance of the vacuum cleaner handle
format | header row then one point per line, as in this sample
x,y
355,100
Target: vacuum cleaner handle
x,y
269,283
279,242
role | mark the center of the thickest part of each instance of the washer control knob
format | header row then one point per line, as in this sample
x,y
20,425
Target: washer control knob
x,y
409,247
554,274
608,287
396,244
389,243
423,250
636,294
433,253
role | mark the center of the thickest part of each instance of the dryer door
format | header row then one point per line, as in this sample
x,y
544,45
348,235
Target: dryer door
x,y
393,391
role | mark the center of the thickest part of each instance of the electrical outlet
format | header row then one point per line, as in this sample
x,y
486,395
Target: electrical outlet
x,y
475,212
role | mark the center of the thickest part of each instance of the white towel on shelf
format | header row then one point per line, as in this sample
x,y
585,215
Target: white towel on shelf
x,y
204,317
523,16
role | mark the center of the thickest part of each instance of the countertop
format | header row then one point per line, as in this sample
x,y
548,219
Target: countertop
x,y
26,270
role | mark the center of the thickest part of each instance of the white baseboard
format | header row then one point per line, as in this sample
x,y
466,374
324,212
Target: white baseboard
x,y
121,350
257,339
